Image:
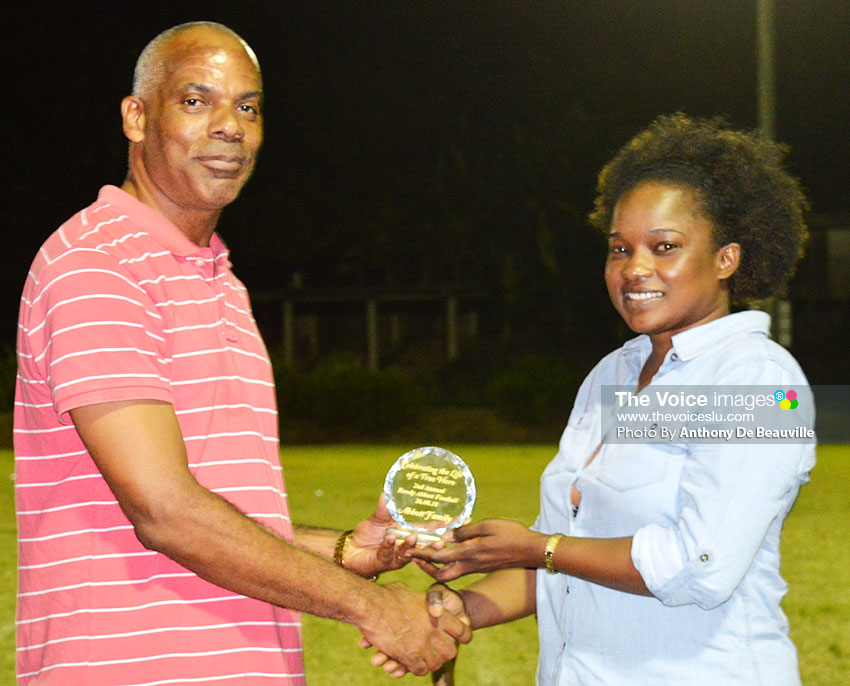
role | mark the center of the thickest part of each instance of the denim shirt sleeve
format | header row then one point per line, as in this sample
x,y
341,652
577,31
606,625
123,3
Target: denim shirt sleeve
x,y
729,496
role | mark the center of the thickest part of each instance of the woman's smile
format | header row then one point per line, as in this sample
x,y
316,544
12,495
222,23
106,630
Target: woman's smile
x,y
664,272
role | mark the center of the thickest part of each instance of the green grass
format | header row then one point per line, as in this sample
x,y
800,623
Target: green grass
x,y
8,563
338,485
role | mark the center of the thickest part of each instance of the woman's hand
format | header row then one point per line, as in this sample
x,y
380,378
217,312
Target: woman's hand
x,y
482,547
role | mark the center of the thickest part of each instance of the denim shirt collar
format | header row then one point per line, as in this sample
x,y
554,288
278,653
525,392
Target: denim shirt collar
x,y
698,340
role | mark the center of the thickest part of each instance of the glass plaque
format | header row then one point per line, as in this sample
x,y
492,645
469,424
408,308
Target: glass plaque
x,y
429,490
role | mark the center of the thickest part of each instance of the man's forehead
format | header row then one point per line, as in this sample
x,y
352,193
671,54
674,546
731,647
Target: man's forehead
x,y
211,67
213,51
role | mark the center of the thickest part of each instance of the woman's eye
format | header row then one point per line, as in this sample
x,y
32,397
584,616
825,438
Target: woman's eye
x,y
665,247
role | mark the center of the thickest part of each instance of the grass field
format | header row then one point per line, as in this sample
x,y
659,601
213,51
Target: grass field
x,y
338,485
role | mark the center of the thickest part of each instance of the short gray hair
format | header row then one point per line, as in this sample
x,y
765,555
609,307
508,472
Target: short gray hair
x,y
150,66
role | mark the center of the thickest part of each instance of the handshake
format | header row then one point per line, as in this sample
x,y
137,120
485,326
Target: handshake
x,y
412,636
419,633
412,632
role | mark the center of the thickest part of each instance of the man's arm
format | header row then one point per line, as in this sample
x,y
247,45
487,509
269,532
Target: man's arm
x,y
367,550
139,449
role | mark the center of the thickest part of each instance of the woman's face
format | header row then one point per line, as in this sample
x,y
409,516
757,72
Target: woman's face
x,y
664,273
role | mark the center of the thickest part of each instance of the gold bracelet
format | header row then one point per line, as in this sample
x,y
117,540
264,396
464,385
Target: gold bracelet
x,y
339,548
549,553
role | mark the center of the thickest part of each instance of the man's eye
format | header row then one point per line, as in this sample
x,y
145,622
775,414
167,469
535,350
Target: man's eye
x,y
192,102
249,109
616,249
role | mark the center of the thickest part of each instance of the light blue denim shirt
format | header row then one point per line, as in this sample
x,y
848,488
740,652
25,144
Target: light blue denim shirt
x,y
705,521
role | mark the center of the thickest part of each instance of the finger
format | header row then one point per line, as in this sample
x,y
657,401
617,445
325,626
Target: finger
x,y
381,510
379,659
456,628
386,550
391,667
467,531
449,572
419,668
431,554
450,554
446,650
381,515
426,566
401,551
406,544
434,601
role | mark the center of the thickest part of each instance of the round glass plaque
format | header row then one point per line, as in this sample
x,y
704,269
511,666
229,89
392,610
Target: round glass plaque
x,y
429,490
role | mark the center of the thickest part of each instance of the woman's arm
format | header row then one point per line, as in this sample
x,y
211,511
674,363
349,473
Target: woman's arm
x,y
503,596
503,544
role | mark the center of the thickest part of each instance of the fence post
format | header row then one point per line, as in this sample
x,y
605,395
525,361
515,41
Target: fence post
x,y
451,327
288,334
372,333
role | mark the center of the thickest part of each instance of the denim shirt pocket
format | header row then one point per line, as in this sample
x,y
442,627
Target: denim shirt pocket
x,y
576,443
629,467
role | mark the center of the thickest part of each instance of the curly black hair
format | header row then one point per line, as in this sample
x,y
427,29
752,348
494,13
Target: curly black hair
x,y
738,177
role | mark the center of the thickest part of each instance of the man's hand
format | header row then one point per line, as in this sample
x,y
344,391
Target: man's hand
x,y
411,636
438,599
371,550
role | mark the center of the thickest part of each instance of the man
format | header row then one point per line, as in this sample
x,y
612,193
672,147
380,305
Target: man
x,y
154,535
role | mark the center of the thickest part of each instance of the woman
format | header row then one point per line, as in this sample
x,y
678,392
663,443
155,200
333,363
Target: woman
x,y
658,563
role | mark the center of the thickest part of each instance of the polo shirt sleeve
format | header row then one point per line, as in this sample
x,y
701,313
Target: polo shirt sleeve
x,y
730,495
95,334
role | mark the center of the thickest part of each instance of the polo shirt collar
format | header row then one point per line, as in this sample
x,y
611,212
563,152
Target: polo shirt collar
x,y
159,228
693,342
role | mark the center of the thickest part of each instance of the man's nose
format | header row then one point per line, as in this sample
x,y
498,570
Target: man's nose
x,y
226,124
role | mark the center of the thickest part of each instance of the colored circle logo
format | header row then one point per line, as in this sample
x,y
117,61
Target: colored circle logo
x,y
787,400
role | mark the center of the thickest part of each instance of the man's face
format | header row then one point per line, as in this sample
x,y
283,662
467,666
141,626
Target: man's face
x,y
203,123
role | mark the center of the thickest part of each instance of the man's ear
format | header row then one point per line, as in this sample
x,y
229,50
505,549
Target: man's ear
x,y
133,117
728,260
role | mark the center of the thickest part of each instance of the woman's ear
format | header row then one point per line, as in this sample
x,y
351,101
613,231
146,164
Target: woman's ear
x,y
728,260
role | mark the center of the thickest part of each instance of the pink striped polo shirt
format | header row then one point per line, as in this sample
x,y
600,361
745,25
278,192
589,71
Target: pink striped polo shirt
x,y
119,304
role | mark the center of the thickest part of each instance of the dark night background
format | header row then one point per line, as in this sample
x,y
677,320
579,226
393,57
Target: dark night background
x,y
419,144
